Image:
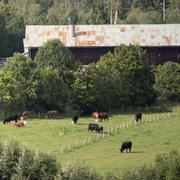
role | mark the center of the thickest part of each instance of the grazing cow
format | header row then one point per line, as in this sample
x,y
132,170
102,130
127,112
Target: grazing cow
x,y
95,127
25,115
52,113
11,118
100,116
75,119
138,116
103,116
126,146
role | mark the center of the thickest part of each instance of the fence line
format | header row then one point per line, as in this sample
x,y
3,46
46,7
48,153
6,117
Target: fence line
x,y
112,130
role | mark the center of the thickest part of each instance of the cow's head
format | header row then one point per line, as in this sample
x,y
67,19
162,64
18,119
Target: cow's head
x,y
121,150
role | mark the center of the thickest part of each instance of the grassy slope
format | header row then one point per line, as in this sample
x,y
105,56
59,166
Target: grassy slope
x,y
148,140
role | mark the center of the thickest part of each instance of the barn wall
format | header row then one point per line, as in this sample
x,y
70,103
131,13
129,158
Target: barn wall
x,y
156,55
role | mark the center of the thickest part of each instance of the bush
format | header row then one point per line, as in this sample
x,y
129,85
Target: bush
x,y
78,171
19,163
167,77
167,167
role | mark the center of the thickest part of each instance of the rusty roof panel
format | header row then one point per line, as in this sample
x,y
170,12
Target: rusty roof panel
x,y
103,35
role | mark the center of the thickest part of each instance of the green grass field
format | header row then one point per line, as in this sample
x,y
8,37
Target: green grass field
x,y
69,143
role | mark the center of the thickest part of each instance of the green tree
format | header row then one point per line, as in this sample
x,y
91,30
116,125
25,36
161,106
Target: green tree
x,y
137,16
173,9
34,14
61,11
79,171
17,84
55,55
128,75
52,91
167,78
3,37
17,162
84,89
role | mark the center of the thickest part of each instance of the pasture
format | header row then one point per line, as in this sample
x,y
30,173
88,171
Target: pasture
x,y
158,133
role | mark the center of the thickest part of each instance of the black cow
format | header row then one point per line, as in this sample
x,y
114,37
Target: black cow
x,y
95,127
125,146
138,116
11,118
75,119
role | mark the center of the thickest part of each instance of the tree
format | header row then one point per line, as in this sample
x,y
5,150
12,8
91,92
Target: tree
x,y
52,91
173,9
126,78
17,162
118,80
137,16
58,57
167,78
3,37
17,84
84,89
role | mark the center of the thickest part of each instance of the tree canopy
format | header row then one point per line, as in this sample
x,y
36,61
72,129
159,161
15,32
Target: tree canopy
x,y
167,83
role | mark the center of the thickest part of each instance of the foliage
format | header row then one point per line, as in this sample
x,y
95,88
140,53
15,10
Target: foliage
x,y
128,75
17,84
52,91
55,67
118,80
3,36
173,15
56,56
79,171
84,90
138,16
167,77
167,167
17,162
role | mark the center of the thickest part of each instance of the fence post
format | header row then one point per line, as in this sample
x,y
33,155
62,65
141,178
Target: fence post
x,y
84,141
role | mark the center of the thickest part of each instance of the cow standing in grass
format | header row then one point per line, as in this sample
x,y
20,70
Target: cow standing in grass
x,y
52,113
100,116
75,119
11,118
138,116
126,146
95,127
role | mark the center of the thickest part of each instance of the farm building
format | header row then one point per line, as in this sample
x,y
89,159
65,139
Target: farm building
x,y
88,42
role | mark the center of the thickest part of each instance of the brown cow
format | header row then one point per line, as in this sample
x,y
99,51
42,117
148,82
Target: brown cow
x,y
103,116
19,124
52,113
25,115
100,116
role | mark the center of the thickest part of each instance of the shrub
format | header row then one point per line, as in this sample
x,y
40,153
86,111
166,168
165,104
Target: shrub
x,y
167,167
20,163
79,171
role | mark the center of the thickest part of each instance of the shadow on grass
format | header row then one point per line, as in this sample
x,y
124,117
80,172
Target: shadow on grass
x,y
137,152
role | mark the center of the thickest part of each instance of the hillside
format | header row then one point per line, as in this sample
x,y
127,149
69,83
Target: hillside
x,y
158,133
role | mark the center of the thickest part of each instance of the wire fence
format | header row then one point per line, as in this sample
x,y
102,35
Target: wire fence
x,y
93,138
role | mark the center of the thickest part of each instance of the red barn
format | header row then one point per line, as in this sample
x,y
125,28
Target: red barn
x,y
89,42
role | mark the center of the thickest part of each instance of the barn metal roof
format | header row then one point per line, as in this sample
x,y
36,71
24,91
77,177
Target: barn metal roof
x,y
103,35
